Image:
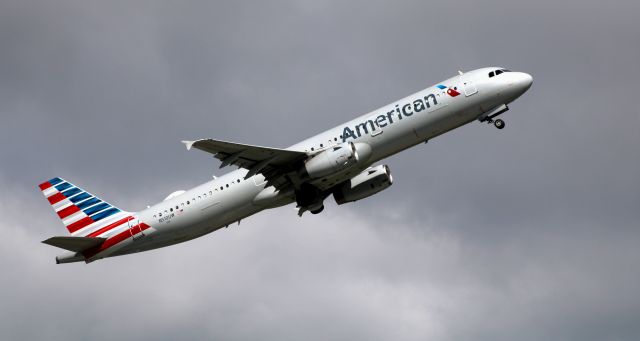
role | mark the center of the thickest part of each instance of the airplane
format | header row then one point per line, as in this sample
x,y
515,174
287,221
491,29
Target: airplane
x,y
338,162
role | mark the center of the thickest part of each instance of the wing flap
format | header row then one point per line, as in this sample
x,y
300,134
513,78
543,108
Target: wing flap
x,y
75,244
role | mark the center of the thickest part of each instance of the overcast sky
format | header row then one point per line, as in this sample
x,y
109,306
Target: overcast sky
x,y
529,233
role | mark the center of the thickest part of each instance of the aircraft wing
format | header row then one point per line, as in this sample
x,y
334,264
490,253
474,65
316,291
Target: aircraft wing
x,y
272,163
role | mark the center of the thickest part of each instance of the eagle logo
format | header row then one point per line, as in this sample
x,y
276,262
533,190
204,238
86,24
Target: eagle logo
x,y
453,92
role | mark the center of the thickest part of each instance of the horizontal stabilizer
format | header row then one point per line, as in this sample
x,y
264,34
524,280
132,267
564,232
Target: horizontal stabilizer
x,y
75,244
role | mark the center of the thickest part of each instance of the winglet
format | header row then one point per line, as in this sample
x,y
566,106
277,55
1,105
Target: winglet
x,y
188,144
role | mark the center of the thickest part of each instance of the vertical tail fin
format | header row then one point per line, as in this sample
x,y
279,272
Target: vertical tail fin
x,y
81,212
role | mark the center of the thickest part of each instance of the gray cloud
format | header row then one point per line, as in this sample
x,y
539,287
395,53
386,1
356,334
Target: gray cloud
x,y
526,233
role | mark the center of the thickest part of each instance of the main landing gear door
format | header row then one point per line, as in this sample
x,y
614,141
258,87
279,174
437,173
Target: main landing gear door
x,y
468,85
135,229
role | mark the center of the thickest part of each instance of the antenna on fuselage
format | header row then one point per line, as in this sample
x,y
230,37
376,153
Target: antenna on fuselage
x,y
460,72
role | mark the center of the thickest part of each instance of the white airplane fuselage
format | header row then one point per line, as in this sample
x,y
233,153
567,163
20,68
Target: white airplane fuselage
x,y
407,122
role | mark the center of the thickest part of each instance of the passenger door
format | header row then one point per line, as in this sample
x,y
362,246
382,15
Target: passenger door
x,y
468,85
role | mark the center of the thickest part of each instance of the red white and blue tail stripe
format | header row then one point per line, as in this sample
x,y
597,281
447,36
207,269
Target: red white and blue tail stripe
x,y
81,212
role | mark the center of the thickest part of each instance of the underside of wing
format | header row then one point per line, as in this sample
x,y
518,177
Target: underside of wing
x,y
272,163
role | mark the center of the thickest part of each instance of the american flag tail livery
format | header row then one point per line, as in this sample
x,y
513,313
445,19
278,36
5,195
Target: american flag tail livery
x,y
93,224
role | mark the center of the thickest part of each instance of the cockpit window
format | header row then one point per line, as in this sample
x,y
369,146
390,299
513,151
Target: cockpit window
x,y
497,72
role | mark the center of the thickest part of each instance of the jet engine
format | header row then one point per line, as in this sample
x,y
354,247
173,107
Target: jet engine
x,y
371,181
332,160
336,159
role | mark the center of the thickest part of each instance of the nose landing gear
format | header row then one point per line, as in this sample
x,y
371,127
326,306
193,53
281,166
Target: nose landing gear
x,y
490,115
497,123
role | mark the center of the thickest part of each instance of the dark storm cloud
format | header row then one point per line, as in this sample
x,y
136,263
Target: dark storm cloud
x,y
526,233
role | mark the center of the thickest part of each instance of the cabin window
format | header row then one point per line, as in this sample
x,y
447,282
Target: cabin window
x,y
210,193
171,209
312,149
335,139
227,185
160,214
176,207
187,202
321,145
238,180
221,188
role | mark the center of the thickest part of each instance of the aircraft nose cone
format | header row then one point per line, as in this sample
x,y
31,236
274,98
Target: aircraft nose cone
x,y
524,81
516,84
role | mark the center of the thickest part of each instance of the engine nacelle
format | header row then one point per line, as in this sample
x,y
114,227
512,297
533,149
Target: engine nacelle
x,y
332,160
369,182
